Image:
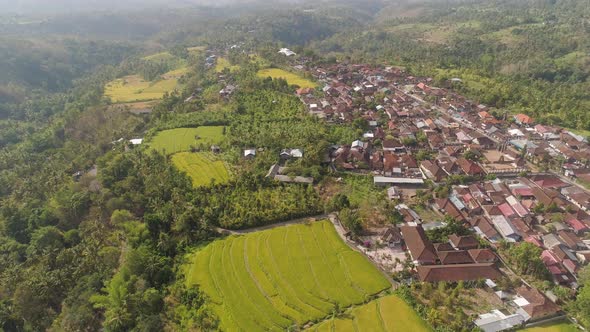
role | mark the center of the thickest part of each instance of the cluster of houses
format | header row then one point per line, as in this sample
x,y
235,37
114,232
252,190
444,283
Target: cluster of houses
x,y
456,260
405,114
413,132
541,209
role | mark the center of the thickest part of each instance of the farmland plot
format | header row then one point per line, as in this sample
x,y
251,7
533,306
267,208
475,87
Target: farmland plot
x,y
201,167
291,78
182,139
386,314
282,277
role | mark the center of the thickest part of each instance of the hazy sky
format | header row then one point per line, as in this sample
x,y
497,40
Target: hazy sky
x,y
54,6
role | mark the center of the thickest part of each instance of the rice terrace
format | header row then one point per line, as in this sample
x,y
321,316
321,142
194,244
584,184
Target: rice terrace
x,y
378,315
201,167
182,139
291,276
133,88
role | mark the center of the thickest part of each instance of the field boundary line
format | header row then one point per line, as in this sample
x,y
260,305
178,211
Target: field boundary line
x,y
378,307
289,286
340,262
262,291
245,292
315,278
280,296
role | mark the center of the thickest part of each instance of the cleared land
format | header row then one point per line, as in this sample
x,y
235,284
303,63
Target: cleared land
x,y
553,327
201,167
387,314
278,278
181,139
292,79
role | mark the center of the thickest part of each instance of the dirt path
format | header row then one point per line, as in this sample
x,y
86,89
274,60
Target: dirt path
x,y
271,226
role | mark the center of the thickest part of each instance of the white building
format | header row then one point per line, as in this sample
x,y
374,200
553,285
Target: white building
x,y
287,52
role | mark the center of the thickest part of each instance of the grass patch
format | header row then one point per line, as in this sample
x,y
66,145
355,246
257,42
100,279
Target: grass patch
x,y
182,139
553,327
285,276
134,89
201,167
292,79
386,314
223,63
196,49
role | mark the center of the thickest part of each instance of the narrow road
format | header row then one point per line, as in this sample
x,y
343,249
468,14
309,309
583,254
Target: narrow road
x,y
271,226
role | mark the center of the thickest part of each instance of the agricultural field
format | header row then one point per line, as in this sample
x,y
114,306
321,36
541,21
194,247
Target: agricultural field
x,y
133,88
181,139
201,167
223,63
292,79
386,314
283,277
562,326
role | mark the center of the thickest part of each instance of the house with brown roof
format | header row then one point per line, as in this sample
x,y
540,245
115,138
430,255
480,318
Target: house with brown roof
x,y
458,272
483,255
535,303
571,240
455,257
469,167
392,237
446,206
432,171
443,247
523,119
463,242
420,247
484,228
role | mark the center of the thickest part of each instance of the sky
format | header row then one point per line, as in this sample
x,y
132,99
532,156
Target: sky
x,y
59,6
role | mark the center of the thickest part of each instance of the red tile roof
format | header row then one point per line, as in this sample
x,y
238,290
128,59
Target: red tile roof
x,y
483,255
539,305
506,210
420,247
523,118
458,272
577,225
463,242
455,257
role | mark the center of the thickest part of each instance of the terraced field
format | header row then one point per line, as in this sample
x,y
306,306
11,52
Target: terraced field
x,y
133,89
201,167
290,77
283,277
181,139
386,314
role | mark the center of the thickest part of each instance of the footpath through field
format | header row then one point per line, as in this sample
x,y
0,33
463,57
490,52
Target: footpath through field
x,y
271,226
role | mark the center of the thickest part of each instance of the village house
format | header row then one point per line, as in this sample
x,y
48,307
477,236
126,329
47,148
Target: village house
x,y
420,248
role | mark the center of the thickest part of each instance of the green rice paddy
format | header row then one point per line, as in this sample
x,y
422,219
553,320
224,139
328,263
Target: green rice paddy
x,y
182,139
283,277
